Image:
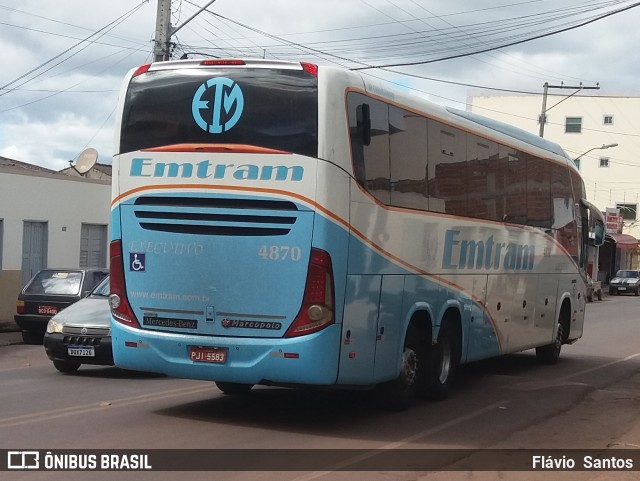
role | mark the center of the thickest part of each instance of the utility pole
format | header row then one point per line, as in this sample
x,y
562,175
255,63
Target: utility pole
x,y
162,47
164,31
543,115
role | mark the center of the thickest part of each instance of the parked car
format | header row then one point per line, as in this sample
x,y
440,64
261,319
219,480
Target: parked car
x,y
624,282
81,334
594,289
49,292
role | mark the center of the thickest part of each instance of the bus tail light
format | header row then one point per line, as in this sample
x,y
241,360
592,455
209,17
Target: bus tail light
x,y
142,69
222,62
120,308
310,68
318,309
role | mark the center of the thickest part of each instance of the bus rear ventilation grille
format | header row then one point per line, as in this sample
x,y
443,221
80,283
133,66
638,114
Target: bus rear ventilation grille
x,y
215,203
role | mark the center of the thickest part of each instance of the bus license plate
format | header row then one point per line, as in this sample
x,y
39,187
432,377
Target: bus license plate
x,y
81,351
216,355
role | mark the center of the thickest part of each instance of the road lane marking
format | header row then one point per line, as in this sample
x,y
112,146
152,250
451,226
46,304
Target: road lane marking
x,y
104,404
402,442
597,368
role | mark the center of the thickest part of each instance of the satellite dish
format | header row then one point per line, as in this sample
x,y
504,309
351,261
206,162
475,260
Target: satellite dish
x,y
86,160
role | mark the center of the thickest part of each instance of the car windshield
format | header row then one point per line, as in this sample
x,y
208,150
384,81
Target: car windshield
x,y
55,282
627,274
102,289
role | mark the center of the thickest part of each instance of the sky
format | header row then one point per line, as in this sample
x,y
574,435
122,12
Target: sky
x,y
63,62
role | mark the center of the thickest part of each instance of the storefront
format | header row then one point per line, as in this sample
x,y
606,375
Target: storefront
x,y
619,251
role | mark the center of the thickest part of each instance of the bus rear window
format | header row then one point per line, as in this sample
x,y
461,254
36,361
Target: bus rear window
x,y
276,109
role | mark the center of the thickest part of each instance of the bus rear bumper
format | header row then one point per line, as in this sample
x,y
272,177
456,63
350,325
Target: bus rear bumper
x,y
310,360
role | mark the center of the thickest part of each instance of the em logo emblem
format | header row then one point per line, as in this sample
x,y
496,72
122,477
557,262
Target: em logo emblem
x,y
217,105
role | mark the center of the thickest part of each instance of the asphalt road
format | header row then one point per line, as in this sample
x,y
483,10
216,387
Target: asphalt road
x,y
589,400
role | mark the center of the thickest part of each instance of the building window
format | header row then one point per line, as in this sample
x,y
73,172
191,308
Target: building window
x,y
608,120
604,162
628,211
573,125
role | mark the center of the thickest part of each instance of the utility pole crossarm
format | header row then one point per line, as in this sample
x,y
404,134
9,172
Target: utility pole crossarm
x,y
543,115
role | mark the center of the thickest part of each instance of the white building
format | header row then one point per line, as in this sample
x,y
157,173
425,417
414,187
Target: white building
x,y
47,219
582,124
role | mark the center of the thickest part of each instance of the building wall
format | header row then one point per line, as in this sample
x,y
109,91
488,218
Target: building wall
x,y
64,202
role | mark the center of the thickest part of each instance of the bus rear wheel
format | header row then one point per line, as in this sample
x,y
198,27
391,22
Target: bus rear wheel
x,y
398,395
442,362
234,388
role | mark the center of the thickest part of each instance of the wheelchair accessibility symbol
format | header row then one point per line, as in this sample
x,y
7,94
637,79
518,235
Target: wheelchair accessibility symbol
x,y
137,262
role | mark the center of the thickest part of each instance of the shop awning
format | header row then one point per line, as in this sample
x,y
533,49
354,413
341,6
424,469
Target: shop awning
x,y
623,241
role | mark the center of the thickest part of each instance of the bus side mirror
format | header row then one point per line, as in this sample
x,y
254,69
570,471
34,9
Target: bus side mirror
x,y
363,113
599,234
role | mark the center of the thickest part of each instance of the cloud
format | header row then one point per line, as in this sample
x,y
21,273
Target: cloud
x,y
51,118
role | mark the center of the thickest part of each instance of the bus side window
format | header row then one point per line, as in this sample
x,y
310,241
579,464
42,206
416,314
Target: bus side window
x,y
448,169
408,146
370,162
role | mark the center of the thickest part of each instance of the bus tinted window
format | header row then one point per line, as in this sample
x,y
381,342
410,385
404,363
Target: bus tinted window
x,y
408,147
448,169
277,109
370,157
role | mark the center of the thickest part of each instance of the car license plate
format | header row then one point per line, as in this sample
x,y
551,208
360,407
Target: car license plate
x,y
216,355
622,288
83,351
47,310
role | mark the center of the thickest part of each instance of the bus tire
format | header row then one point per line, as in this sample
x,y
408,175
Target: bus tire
x,y
550,353
442,362
398,395
233,388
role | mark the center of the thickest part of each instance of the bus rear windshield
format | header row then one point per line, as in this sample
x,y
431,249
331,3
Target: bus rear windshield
x,y
276,109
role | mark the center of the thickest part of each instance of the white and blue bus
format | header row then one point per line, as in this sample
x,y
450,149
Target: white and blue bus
x,y
280,223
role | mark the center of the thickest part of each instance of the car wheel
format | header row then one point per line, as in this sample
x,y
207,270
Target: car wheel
x,y
66,366
234,388
30,337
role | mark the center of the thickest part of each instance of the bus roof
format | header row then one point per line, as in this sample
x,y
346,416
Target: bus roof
x,y
511,131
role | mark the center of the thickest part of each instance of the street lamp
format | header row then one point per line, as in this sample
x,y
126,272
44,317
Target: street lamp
x,y
604,146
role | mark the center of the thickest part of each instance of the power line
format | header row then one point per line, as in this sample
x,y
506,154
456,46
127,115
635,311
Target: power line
x,y
98,33
508,44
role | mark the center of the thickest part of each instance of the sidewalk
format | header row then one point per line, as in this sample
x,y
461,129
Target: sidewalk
x,y
9,334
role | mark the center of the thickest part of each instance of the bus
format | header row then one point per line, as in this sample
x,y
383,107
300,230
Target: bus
x,y
288,224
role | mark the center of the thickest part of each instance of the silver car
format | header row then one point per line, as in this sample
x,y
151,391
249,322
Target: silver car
x,y
624,282
81,333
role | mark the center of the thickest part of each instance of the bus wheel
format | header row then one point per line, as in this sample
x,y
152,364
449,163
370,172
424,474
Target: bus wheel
x,y
233,388
436,381
550,353
397,395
